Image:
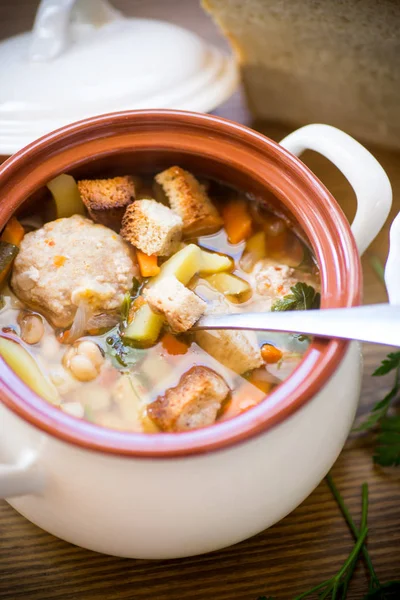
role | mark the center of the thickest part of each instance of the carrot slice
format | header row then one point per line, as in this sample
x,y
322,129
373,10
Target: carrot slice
x,y
271,354
147,264
63,336
13,232
237,220
172,345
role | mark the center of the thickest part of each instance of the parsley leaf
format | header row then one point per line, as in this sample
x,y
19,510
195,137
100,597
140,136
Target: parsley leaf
x,y
387,451
303,297
120,354
125,306
391,362
379,411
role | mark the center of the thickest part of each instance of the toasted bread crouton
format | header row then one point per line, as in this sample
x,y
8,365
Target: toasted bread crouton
x,y
188,198
153,228
192,404
272,279
107,199
237,350
181,307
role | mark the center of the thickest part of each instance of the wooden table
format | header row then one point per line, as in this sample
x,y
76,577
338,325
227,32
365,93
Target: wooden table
x,y
300,551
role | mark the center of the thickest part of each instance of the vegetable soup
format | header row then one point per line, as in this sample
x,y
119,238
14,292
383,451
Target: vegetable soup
x,y
98,304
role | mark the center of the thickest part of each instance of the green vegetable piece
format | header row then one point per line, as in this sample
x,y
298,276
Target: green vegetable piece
x,y
145,327
211,262
66,196
183,265
27,369
303,297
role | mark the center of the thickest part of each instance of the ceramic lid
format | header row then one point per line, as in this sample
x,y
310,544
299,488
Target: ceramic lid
x,y
84,58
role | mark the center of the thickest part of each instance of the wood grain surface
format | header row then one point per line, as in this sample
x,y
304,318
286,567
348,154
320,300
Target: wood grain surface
x,y
300,551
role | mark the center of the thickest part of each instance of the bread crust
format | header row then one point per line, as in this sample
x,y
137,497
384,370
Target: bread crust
x,y
193,403
151,227
189,199
107,199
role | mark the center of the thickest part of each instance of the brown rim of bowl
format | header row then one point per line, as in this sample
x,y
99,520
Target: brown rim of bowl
x,y
247,151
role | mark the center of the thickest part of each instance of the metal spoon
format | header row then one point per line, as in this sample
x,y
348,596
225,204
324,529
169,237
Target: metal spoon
x,y
377,323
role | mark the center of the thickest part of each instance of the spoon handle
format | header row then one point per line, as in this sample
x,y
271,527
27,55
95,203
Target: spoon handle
x,y
378,323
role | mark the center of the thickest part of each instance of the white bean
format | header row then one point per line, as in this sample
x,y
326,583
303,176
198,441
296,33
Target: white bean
x,y
84,360
32,328
82,368
92,352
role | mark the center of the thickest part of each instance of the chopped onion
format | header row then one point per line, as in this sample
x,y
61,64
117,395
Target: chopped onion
x,y
85,320
80,322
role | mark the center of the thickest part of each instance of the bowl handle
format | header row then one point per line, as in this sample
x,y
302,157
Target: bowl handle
x,y
369,181
24,477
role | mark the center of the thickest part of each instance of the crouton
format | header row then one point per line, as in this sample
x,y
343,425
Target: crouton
x,y
192,404
237,350
273,279
189,199
153,228
181,307
107,199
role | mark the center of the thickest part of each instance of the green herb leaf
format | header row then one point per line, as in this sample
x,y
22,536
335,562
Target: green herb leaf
x,y
125,306
387,451
136,286
120,354
391,362
379,411
303,297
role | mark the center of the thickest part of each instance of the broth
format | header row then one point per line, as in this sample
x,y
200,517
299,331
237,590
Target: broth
x,y
267,254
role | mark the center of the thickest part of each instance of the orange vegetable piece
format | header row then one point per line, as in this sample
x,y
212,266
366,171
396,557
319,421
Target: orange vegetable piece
x,y
147,264
271,354
138,302
237,220
243,398
63,337
58,261
13,232
172,345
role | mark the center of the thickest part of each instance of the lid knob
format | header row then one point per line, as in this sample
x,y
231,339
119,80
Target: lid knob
x,y
51,30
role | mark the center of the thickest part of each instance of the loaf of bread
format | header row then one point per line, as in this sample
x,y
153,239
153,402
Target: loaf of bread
x,y
329,61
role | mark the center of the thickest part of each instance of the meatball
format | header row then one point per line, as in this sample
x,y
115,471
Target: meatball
x,y
69,261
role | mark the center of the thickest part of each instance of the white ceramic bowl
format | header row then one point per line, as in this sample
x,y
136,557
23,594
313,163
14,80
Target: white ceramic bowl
x,y
173,495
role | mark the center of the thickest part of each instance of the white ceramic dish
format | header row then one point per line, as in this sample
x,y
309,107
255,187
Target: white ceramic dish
x,y
174,495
